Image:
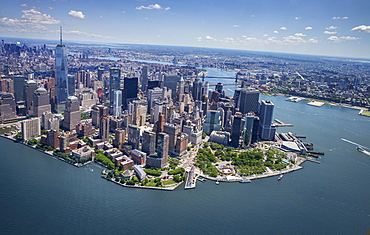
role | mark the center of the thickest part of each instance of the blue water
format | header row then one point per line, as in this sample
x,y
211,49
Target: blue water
x,y
42,195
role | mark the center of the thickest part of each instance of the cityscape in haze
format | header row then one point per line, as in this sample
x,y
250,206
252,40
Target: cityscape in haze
x,y
301,27
201,96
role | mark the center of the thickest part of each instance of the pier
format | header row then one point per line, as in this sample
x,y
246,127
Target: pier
x,y
281,123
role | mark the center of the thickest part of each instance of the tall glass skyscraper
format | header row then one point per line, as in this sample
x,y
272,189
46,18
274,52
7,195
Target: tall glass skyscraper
x,y
117,103
61,71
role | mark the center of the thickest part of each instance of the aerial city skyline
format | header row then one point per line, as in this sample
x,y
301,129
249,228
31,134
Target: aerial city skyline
x,y
215,109
314,27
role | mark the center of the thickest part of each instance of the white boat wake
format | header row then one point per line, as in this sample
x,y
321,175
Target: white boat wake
x,y
359,145
354,143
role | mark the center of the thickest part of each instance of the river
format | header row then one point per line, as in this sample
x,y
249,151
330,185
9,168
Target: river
x,y
42,195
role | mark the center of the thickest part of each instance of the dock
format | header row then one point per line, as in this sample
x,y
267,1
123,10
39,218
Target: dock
x,y
316,103
311,160
281,123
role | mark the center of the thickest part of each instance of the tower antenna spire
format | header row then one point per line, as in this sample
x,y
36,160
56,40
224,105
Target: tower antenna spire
x,y
61,35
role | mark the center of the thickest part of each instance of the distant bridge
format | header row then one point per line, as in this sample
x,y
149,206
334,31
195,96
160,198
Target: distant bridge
x,y
220,77
226,84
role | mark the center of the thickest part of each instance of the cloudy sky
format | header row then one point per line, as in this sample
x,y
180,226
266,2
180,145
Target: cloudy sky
x,y
321,27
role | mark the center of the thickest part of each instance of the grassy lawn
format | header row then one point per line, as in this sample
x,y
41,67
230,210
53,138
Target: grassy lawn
x,y
151,183
168,182
365,113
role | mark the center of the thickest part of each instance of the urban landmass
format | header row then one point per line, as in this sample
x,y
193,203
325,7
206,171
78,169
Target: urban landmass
x,y
151,116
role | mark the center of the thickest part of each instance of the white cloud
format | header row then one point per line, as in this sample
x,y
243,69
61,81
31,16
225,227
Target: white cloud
x,y
300,35
123,11
153,7
76,14
34,16
331,27
343,38
236,26
297,18
329,32
313,40
31,21
362,28
265,35
294,39
283,28
199,39
340,18
51,8
253,16
23,5
308,28
101,17
229,39
348,38
209,38
275,31
333,38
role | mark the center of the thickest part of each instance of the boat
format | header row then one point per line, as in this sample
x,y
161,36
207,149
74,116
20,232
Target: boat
x,y
217,182
245,181
280,177
361,149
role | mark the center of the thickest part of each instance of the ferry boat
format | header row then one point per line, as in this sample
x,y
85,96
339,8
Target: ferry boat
x,y
280,177
245,181
361,149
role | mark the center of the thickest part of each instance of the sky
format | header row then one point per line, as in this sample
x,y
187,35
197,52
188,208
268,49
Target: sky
x,y
316,27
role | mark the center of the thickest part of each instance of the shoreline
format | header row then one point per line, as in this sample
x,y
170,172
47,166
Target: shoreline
x,y
323,101
260,176
171,188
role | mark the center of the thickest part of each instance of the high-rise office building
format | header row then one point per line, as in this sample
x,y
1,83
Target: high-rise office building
x,y
130,88
104,128
97,112
19,82
247,100
72,113
213,121
197,89
237,129
61,71
100,74
160,159
7,107
163,147
171,130
180,89
133,136
219,87
30,128
119,138
266,131
117,103
114,82
148,145
248,129
30,88
71,84
41,102
144,78
170,81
